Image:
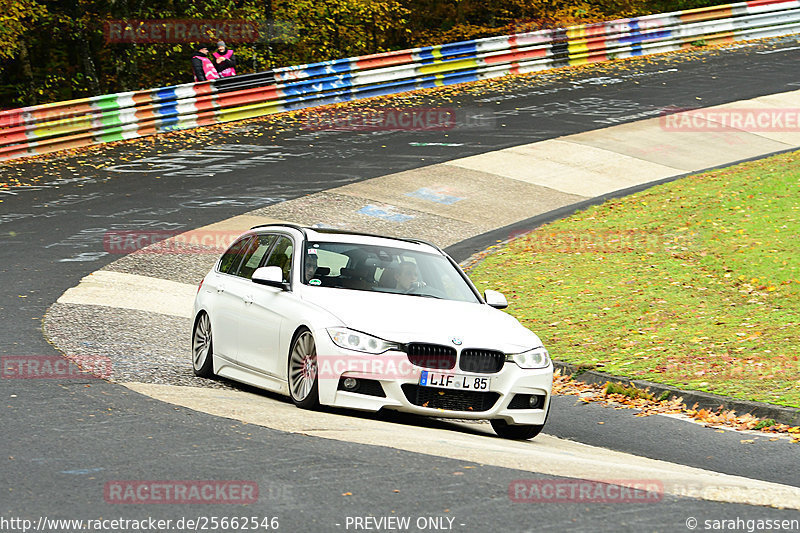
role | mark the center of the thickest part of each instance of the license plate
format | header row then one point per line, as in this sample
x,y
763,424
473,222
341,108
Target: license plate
x,y
454,381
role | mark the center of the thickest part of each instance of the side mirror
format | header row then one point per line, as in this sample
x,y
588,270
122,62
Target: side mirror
x,y
271,275
493,298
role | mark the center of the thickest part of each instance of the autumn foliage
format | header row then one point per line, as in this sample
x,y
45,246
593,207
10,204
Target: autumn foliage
x,y
53,51
646,404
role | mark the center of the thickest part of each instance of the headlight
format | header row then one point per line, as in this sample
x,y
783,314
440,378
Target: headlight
x,y
536,358
360,342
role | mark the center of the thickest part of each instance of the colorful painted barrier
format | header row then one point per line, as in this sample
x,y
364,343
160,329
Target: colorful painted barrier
x,y
62,125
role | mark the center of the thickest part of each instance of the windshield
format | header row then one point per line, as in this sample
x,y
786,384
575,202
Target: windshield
x,y
383,269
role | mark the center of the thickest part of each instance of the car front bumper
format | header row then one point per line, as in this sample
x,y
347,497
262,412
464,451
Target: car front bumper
x,y
393,371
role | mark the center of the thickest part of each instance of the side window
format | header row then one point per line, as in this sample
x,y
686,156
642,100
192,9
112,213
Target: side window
x,y
257,249
230,259
281,256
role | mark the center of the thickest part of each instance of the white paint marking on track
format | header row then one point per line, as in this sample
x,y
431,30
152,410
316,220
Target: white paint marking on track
x,y
131,291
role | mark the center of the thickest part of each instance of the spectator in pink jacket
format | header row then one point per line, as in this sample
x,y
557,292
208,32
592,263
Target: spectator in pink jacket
x,y
202,67
224,60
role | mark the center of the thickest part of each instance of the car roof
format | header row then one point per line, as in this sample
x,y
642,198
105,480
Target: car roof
x,y
347,236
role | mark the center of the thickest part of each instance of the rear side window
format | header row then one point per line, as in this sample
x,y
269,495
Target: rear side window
x,y
281,256
256,250
229,263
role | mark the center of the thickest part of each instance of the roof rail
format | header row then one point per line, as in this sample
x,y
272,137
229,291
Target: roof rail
x,y
423,241
365,234
301,229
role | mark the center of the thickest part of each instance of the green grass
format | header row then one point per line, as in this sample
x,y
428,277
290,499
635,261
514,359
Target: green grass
x,y
694,283
629,391
765,424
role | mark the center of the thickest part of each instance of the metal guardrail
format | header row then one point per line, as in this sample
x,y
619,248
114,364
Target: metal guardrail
x,y
77,123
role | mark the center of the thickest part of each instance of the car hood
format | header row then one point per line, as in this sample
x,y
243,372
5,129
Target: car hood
x,y
404,318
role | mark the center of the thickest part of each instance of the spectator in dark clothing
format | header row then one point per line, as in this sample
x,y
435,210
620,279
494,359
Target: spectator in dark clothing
x,y
224,60
202,67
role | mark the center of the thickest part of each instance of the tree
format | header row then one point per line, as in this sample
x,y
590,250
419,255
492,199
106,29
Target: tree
x,y
56,49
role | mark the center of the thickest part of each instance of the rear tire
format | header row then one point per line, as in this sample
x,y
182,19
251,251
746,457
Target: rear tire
x,y
202,347
303,370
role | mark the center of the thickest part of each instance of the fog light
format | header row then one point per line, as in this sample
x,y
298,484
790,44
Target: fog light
x,y
350,383
535,401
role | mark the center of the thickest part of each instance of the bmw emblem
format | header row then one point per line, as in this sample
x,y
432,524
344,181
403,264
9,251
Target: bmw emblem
x,y
456,341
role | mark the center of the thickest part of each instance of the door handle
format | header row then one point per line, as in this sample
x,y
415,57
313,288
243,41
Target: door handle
x,y
220,288
248,298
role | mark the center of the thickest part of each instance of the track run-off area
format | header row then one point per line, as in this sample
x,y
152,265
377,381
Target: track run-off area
x,y
542,143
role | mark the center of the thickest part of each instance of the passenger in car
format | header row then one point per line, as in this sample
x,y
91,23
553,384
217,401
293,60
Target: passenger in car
x,y
388,278
311,266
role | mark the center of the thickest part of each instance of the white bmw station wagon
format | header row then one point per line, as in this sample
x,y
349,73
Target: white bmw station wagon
x,y
368,322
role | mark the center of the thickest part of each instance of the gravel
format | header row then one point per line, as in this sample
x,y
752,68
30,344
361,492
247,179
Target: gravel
x,y
345,212
143,347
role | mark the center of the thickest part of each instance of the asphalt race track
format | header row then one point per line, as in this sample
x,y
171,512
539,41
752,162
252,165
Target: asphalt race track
x,y
63,440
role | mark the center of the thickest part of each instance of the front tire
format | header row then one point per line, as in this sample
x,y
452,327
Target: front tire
x,y
515,432
202,347
303,370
